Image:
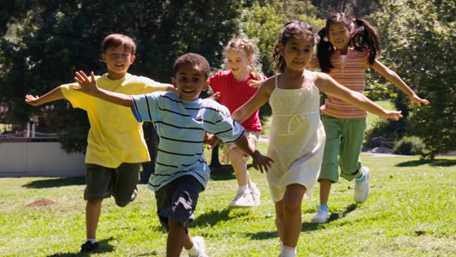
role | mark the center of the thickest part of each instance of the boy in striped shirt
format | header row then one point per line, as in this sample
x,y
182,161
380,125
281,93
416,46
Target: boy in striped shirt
x,y
181,119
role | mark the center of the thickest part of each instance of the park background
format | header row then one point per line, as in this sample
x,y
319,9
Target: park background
x,y
411,209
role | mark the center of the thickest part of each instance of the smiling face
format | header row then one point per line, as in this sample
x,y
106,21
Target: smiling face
x,y
237,61
298,51
189,80
339,35
118,60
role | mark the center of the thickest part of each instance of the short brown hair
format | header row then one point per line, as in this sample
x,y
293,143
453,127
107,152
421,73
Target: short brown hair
x,y
116,40
193,59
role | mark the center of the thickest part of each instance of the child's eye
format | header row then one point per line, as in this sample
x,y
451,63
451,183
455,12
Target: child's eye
x,y
195,80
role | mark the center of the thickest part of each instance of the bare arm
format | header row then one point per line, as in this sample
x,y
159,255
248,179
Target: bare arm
x,y
331,87
261,97
392,76
260,162
160,87
51,96
89,86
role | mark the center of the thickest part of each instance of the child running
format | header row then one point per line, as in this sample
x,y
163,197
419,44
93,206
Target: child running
x,y
297,134
115,143
349,48
181,120
235,87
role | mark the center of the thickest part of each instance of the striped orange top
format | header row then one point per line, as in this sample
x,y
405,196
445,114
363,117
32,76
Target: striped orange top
x,y
349,71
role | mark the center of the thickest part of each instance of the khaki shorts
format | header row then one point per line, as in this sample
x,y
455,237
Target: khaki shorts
x,y
252,138
121,182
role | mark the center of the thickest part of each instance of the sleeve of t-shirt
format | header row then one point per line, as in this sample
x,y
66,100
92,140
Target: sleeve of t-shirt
x,y
215,81
217,120
77,98
150,85
145,107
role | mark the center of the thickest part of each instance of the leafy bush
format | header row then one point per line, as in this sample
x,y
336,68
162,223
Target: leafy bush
x,y
410,145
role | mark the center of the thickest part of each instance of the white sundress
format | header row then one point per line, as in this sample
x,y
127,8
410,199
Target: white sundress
x,y
297,138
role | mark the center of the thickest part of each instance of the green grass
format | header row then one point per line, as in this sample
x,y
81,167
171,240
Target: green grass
x,y
410,212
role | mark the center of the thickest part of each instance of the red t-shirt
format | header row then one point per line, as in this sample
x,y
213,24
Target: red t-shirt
x,y
235,93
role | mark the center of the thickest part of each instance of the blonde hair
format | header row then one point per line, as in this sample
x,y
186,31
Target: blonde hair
x,y
249,48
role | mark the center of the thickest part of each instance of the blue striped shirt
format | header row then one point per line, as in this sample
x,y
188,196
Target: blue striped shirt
x,y
180,126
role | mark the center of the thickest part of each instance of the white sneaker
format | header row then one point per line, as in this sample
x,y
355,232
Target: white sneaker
x,y
243,199
200,246
320,217
362,186
256,194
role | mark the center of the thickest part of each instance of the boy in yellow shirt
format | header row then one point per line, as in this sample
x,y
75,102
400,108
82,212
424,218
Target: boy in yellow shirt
x,y
115,143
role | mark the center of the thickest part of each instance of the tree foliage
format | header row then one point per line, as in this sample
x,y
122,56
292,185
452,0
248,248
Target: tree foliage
x,y
263,22
53,39
419,39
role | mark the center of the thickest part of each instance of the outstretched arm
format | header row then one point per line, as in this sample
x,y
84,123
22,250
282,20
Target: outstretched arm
x,y
51,96
261,97
331,87
260,162
160,87
89,86
392,76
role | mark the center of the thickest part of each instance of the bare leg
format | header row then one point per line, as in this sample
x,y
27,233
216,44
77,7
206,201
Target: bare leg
x,y
279,218
93,210
176,239
325,189
292,214
239,163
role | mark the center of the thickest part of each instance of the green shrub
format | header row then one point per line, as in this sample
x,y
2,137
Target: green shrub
x,y
409,145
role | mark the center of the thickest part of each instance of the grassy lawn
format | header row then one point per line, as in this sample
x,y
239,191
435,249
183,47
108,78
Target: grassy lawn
x,y
410,212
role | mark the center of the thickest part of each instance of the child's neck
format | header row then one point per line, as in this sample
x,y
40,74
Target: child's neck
x,y
342,51
241,75
116,76
294,74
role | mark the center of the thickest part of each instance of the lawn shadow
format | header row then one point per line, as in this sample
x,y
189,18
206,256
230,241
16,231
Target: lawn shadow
x,y
338,215
105,247
435,162
214,216
222,172
263,235
56,182
309,226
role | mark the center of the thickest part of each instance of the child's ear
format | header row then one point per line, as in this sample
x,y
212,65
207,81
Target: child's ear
x,y
206,85
102,57
132,58
173,81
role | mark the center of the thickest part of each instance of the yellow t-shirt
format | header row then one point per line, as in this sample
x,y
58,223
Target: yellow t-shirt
x,y
115,136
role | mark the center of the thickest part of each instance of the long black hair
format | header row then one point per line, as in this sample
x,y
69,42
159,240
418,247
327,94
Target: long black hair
x,y
364,36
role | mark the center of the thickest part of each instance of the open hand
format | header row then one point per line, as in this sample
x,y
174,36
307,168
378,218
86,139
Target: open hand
x,y
415,99
261,162
211,140
32,100
392,115
88,84
215,96
255,83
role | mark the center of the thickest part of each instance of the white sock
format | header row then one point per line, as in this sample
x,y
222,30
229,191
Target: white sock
x,y
288,251
92,240
242,188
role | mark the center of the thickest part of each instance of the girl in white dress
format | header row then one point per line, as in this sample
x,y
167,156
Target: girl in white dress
x,y
297,135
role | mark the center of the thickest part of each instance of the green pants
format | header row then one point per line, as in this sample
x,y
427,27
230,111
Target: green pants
x,y
344,139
